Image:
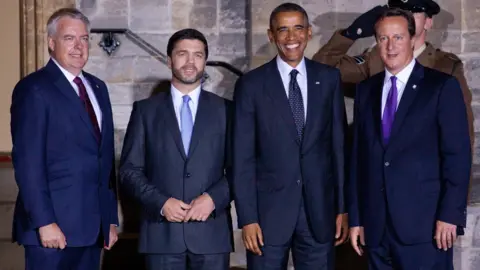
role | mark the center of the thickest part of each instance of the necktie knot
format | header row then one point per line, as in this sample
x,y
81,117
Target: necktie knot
x,y
186,98
77,80
293,73
393,79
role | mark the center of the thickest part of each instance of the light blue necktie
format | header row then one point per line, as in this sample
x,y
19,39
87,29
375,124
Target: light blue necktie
x,y
186,122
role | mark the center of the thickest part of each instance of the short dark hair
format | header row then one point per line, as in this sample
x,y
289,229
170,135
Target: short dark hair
x,y
287,7
187,33
396,12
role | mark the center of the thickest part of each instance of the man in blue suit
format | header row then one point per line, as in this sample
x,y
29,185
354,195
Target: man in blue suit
x,y
288,156
63,155
411,158
175,163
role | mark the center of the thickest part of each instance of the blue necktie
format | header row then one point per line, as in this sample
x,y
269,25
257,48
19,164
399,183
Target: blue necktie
x,y
296,103
186,123
389,111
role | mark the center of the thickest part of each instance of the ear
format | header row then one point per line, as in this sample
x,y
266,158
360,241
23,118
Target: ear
x,y
309,32
428,23
169,62
51,43
271,37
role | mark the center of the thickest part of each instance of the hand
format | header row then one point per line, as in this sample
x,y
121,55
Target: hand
x,y
175,210
355,234
113,237
253,238
366,24
342,229
445,234
201,208
52,237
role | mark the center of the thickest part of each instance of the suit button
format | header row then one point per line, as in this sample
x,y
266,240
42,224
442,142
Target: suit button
x,y
188,175
387,164
298,182
382,189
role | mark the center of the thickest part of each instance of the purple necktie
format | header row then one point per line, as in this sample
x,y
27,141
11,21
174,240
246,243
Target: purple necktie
x,y
389,111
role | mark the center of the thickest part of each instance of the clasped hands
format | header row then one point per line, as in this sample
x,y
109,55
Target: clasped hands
x,y
199,209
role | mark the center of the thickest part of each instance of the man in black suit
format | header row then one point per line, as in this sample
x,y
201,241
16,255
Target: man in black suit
x,y
288,157
411,157
174,161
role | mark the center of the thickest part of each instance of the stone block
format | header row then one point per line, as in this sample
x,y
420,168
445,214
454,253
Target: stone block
x,y
181,10
6,214
119,136
231,44
150,16
210,3
233,14
449,41
121,116
260,14
107,13
204,18
111,69
149,69
471,14
472,71
11,256
450,16
121,93
8,186
474,259
471,40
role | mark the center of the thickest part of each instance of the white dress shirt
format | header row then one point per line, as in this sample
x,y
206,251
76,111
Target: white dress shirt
x,y
91,95
402,79
285,70
177,98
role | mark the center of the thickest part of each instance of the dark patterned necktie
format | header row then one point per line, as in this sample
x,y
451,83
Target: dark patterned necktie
x,y
389,111
296,103
82,92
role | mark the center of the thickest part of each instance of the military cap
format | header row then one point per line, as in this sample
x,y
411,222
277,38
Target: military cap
x,y
428,6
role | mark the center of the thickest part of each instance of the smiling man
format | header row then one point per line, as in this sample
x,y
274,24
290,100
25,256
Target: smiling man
x,y
411,157
63,153
288,156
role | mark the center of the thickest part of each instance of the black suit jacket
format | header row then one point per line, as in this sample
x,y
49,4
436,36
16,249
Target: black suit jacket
x,y
272,168
422,174
154,167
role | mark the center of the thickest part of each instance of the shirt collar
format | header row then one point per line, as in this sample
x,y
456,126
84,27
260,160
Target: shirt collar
x,y
194,95
403,75
285,68
419,51
70,77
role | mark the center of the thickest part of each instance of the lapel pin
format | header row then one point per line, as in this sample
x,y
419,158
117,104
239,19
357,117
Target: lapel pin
x,y
317,82
98,86
414,86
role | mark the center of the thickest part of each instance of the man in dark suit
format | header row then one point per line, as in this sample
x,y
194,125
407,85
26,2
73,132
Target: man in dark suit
x,y
63,155
288,157
174,161
411,157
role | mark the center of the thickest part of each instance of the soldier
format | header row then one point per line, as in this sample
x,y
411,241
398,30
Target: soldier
x,y
356,69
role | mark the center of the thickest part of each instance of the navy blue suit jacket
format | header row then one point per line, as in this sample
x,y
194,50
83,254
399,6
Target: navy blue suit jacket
x,y
272,169
154,167
64,176
422,175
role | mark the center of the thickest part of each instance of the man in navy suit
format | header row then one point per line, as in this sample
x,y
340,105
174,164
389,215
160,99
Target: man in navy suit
x,y
288,156
175,163
63,155
411,158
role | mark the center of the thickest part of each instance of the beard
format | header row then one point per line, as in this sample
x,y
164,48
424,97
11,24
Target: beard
x,y
177,73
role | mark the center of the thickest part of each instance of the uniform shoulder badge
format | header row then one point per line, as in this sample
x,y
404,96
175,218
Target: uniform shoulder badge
x,y
359,59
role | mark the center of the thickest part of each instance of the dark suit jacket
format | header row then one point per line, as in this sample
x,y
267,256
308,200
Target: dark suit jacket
x,y
422,175
154,168
64,175
272,168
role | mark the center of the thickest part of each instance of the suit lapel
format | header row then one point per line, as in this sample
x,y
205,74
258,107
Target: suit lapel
x,y
377,106
201,121
67,90
172,123
314,88
409,94
277,93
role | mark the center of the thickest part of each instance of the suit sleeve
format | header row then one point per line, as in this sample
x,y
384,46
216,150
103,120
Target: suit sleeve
x,y
352,180
244,160
220,191
29,122
132,167
338,135
455,154
112,186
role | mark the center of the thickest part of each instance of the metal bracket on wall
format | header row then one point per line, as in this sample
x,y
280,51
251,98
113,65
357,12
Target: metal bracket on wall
x,y
110,44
